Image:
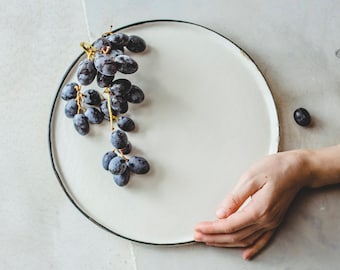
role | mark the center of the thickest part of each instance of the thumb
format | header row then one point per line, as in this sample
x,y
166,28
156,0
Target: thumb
x,y
238,198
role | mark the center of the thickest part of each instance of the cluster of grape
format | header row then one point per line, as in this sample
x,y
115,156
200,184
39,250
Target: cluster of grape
x,y
105,57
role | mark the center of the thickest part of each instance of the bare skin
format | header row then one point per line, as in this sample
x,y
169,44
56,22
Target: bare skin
x,y
283,173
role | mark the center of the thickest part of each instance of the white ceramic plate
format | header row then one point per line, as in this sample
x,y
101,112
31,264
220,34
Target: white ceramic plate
x,y
208,114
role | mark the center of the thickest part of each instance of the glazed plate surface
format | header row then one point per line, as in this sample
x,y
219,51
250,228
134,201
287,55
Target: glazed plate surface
x,y
207,115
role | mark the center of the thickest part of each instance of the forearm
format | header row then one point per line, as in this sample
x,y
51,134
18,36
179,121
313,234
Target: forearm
x,y
323,165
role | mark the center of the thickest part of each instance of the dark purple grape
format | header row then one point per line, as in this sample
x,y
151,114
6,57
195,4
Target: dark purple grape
x,y
119,104
126,123
138,165
118,40
136,44
104,81
107,158
105,64
125,64
116,52
135,95
86,72
117,165
92,97
120,87
127,149
302,117
69,91
122,179
102,44
81,124
71,108
105,110
119,139
94,115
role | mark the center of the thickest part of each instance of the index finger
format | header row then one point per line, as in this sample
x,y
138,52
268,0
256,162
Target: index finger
x,y
233,223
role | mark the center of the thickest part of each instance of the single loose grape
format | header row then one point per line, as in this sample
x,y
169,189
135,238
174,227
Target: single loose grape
x,y
138,165
302,117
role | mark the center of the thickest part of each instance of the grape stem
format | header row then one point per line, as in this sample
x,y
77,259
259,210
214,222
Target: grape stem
x,y
105,50
109,32
122,155
89,50
79,99
110,112
112,117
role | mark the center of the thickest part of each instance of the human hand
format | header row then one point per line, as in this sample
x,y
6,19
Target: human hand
x,y
272,185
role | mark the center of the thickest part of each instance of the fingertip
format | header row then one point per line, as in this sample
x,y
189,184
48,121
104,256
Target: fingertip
x,y
197,236
248,254
221,213
260,243
229,205
198,227
197,231
203,226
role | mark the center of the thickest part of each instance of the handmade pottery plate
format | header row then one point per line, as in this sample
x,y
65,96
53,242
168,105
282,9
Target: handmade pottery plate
x,y
208,114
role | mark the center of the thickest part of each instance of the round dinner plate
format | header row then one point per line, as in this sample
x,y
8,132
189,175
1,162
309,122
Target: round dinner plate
x,y
208,114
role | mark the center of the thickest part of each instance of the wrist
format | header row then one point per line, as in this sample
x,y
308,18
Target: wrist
x,y
323,166
307,167
302,164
